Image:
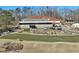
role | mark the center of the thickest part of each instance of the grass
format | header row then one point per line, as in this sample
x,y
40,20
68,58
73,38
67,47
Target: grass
x,y
42,38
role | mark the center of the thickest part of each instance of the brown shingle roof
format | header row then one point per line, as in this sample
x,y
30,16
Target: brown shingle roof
x,y
44,17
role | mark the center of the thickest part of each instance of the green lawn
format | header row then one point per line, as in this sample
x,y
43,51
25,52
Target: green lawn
x,y
42,38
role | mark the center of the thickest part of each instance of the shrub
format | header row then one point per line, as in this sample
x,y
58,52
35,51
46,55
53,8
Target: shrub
x,y
12,46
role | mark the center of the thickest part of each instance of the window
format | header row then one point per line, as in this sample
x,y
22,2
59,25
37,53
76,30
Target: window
x,y
32,26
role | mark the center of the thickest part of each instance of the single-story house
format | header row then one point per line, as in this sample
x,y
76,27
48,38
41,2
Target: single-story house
x,y
40,22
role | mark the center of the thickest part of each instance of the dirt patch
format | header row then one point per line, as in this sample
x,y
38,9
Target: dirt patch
x,y
45,47
51,47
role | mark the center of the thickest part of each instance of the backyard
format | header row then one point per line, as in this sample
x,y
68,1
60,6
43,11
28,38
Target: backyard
x,y
42,43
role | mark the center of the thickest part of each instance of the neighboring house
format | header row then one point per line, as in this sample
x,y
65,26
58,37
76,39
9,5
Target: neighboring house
x,y
69,20
40,22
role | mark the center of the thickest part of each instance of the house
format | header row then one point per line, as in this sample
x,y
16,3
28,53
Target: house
x,y
40,22
69,21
